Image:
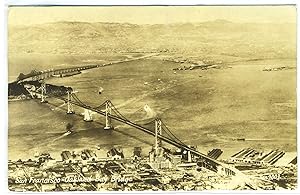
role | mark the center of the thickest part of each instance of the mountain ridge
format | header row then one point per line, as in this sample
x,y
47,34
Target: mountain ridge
x,y
263,40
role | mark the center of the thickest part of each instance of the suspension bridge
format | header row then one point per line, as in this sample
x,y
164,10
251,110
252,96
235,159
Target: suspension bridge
x,y
161,132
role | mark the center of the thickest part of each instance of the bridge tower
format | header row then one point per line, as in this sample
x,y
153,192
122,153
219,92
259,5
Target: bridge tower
x,y
158,131
43,92
69,104
108,125
189,155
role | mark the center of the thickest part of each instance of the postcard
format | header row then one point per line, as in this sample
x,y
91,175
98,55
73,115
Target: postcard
x,y
152,98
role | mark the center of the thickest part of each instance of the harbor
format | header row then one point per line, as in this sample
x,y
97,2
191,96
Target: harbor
x,y
162,156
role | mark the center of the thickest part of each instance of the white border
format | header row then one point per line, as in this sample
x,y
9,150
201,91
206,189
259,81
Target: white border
x,y
3,98
147,2
4,72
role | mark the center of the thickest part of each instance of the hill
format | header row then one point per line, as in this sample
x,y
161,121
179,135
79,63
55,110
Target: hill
x,y
215,40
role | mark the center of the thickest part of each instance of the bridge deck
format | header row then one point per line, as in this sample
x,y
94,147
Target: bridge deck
x,y
148,131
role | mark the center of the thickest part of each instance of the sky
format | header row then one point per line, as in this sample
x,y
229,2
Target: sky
x,y
29,15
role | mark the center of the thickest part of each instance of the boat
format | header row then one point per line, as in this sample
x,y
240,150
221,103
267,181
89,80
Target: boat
x,y
100,90
68,132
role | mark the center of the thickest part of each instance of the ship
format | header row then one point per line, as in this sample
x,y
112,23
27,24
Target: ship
x,y
68,133
100,90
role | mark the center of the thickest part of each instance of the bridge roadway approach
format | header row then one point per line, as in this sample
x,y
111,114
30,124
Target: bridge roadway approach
x,y
221,168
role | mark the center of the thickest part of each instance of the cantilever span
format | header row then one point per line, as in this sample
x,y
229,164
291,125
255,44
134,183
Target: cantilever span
x,y
39,75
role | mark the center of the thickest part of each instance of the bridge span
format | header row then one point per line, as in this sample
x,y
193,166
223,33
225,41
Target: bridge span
x,y
44,74
36,75
107,109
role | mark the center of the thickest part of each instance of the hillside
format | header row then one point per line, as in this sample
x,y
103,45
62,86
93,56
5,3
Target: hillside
x,y
214,40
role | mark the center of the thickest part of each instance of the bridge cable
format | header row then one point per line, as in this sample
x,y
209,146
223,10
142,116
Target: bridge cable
x,y
77,99
168,130
101,105
116,110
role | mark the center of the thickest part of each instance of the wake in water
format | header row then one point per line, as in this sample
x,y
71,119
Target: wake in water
x,y
157,90
50,140
62,136
132,100
69,131
150,113
135,99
